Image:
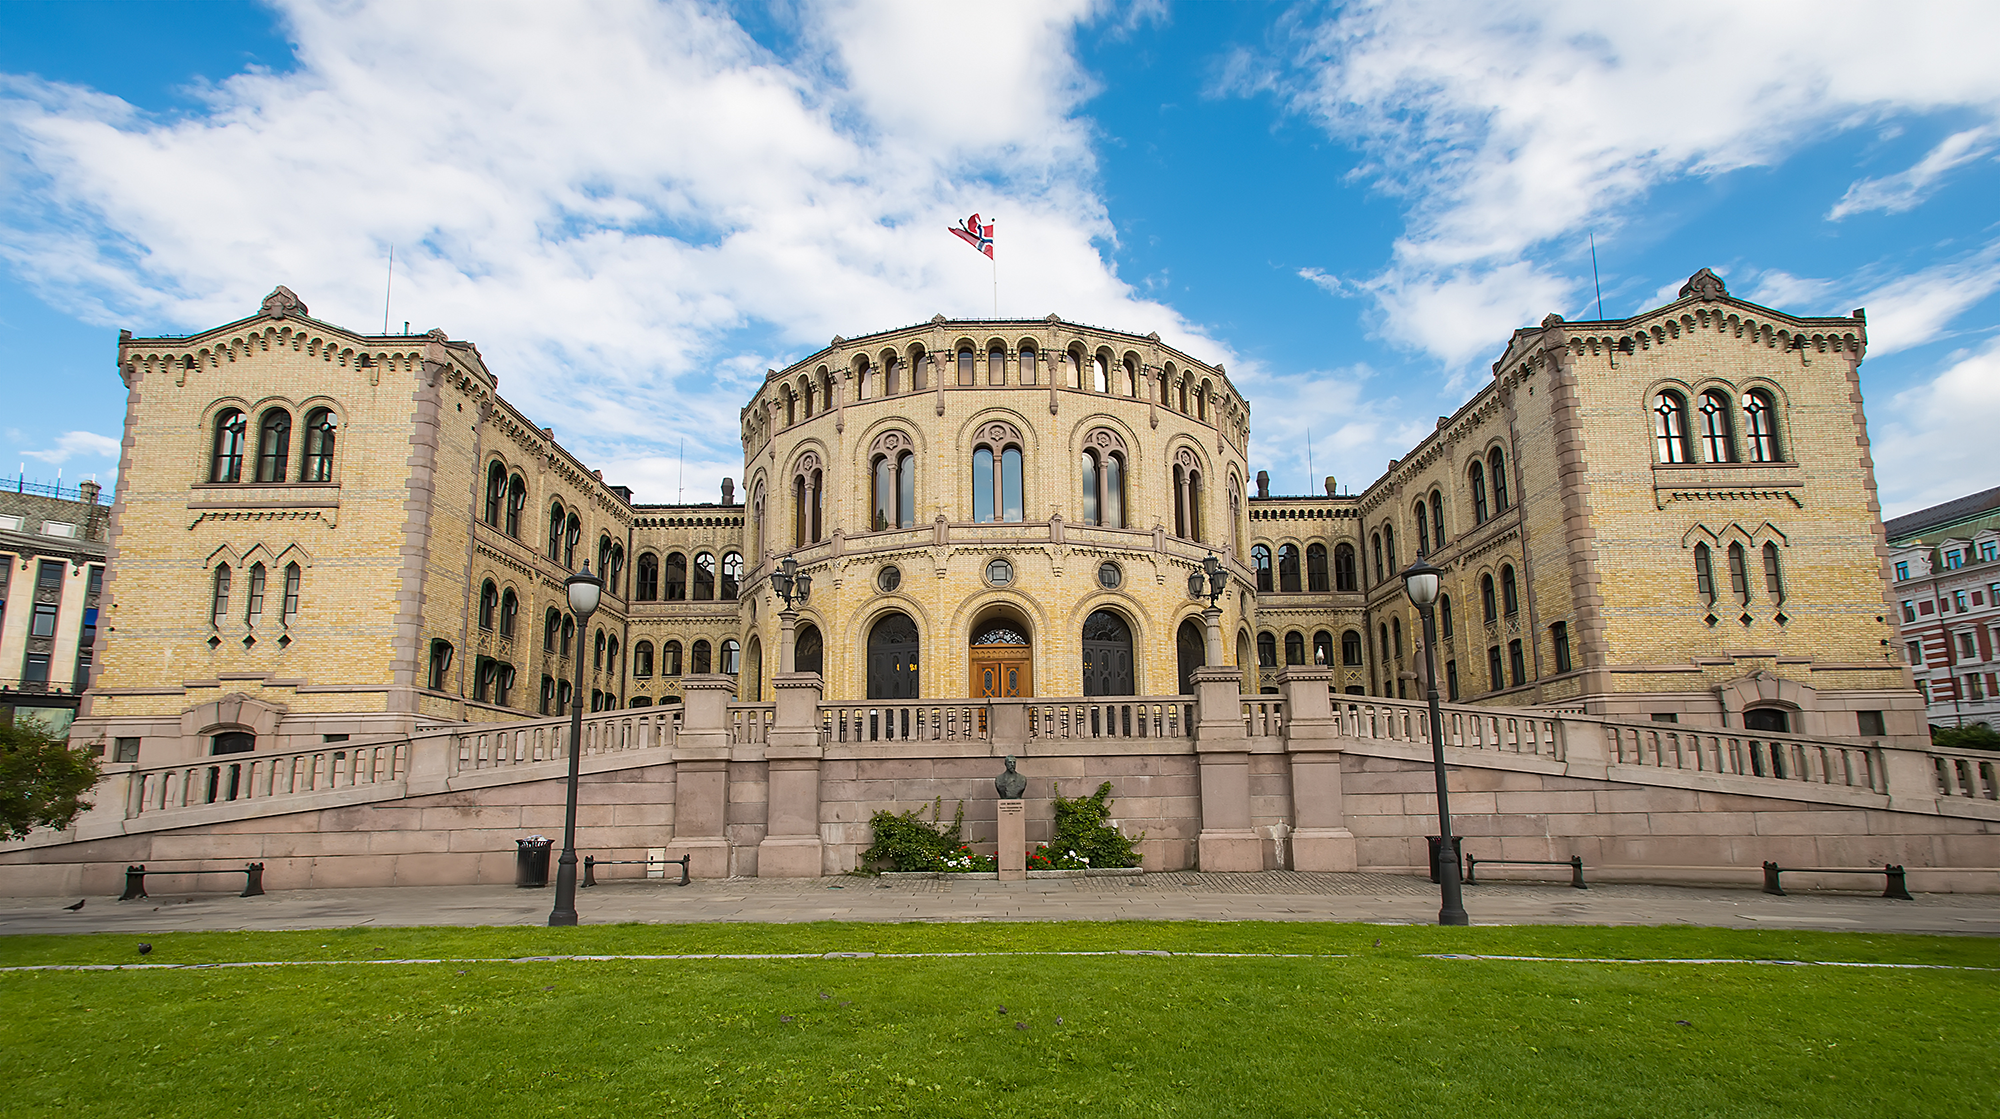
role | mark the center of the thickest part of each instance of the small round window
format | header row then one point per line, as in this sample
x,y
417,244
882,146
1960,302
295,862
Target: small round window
x,y
889,578
1108,576
999,572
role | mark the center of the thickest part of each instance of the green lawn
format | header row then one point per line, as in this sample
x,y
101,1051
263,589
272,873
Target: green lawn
x,y
1353,1028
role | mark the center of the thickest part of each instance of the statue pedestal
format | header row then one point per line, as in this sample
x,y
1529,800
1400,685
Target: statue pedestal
x,y
1013,841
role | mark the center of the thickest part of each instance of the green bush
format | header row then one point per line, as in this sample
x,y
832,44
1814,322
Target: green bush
x,y
42,780
1978,736
908,842
1084,836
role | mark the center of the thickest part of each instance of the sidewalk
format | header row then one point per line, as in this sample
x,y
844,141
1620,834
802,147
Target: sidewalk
x,y
1172,896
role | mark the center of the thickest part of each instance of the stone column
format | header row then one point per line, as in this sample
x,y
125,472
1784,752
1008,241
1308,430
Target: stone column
x,y
792,847
1226,841
701,774
1320,839
1013,837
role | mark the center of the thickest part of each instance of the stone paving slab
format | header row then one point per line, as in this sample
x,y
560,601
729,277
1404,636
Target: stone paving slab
x,y
1172,896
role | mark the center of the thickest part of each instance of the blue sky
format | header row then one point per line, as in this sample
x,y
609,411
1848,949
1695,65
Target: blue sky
x,y
636,208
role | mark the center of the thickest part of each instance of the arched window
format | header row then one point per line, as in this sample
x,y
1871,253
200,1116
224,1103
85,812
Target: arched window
x,y
1190,653
1444,615
791,406
1704,574
548,695
1716,442
1295,648
563,695
1437,517
966,373
1100,377
317,465
1559,645
597,651
551,626
1760,426
1288,567
892,375
568,636
1072,370
1267,650
1487,607
1475,477
274,446
1201,403
1166,379
555,531
1423,529
1739,575
1316,567
1187,497
604,562
1350,649
647,586
1322,647
1774,583
808,502
704,577
1184,396
642,659
572,532
510,609
291,592
1510,592
677,577
1396,636
808,649
1260,562
670,659
1375,541
894,496
732,575
1496,465
227,464
1382,643
489,604
1389,546
517,500
996,365
254,607
611,655
996,475
1344,577
1131,376
732,658
1104,480
496,491
1028,376
698,664
1670,436
440,672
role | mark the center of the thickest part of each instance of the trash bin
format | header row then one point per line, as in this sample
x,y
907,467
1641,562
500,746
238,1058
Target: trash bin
x,y
531,862
1457,850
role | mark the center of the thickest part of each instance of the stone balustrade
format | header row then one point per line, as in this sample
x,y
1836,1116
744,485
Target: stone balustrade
x,y
909,721
1054,721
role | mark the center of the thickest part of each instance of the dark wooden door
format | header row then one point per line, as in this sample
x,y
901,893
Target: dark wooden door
x,y
892,658
1107,655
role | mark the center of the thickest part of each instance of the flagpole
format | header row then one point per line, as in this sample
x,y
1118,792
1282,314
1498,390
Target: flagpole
x,y
996,285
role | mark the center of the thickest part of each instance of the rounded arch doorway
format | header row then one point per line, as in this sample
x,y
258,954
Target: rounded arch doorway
x,y
1191,646
1107,655
1001,659
892,658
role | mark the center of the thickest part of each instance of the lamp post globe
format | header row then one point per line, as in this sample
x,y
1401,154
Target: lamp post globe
x,y
585,591
1421,584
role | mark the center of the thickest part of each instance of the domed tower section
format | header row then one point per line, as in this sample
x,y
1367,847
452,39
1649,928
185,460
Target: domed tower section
x,y
996,508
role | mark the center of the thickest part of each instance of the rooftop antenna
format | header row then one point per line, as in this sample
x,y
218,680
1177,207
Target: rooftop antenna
x,y
1593,276
388,286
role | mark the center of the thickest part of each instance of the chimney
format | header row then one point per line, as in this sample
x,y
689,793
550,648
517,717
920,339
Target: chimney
x,y
729,491
88,491
1263,483
1330,487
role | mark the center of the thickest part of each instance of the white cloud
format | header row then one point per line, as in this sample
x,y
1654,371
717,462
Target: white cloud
x,y
1911,310
1934,442
633,208
1896,193
77,444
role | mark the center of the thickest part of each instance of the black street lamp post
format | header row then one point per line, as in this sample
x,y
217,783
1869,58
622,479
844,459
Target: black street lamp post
x,y
584,591
1420,582
793,589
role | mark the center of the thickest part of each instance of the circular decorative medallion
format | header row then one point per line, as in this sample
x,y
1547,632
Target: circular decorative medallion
x,y
999,572
889,578
1108,575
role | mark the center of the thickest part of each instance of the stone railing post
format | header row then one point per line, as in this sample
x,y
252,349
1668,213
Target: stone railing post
x,y
433,759
701,774
1226,841
1585,752
1320,839
1912,779
792,847
1007,727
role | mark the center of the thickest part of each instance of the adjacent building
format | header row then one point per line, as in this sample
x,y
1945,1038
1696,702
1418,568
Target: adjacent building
x,y
51,577
1945,592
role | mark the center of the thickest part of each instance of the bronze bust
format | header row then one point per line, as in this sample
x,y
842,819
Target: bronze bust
x,y
1010,784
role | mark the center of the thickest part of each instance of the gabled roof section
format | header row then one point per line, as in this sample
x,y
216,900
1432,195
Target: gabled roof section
x,y
1939,519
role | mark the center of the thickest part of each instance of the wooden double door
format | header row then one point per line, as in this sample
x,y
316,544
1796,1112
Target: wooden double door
x,y
1002,672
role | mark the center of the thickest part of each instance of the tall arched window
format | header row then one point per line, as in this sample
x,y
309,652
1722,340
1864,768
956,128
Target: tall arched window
x,y
704,577
568,635
1475,477
274,445
894,499
1437,517
604,562
1487,607
611,655
572,532
1739,574
1322,647
698,662
1350,649
966,372
1344,577
1187,496
1716,442
808,649
496,491
1184,395
996,474
555,531
1028,371
1375,542
227,464
1131,376
647,583
732,575
1389,546
510,609
808,501
1316,567
597,652
1288,567
1295,648
1510,591
892,375
1104,479
317,465
291,608
996,365
1774,583
1670,435
1100,377
517,500
254,608
732,654
791,406
489,604
676,581
1760,426
551,627
1267,650
1260,562
1444,616
670,659
1423,528
1072,369
1201,403
1704,574
1496,465
642,659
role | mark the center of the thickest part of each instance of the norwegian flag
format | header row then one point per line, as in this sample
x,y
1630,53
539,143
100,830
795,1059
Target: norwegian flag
x,y
978,236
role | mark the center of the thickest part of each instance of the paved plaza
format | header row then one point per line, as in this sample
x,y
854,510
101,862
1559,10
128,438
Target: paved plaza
x,y
1174,896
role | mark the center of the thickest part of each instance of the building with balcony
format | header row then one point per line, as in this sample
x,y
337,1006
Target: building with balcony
x,y
1945,595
